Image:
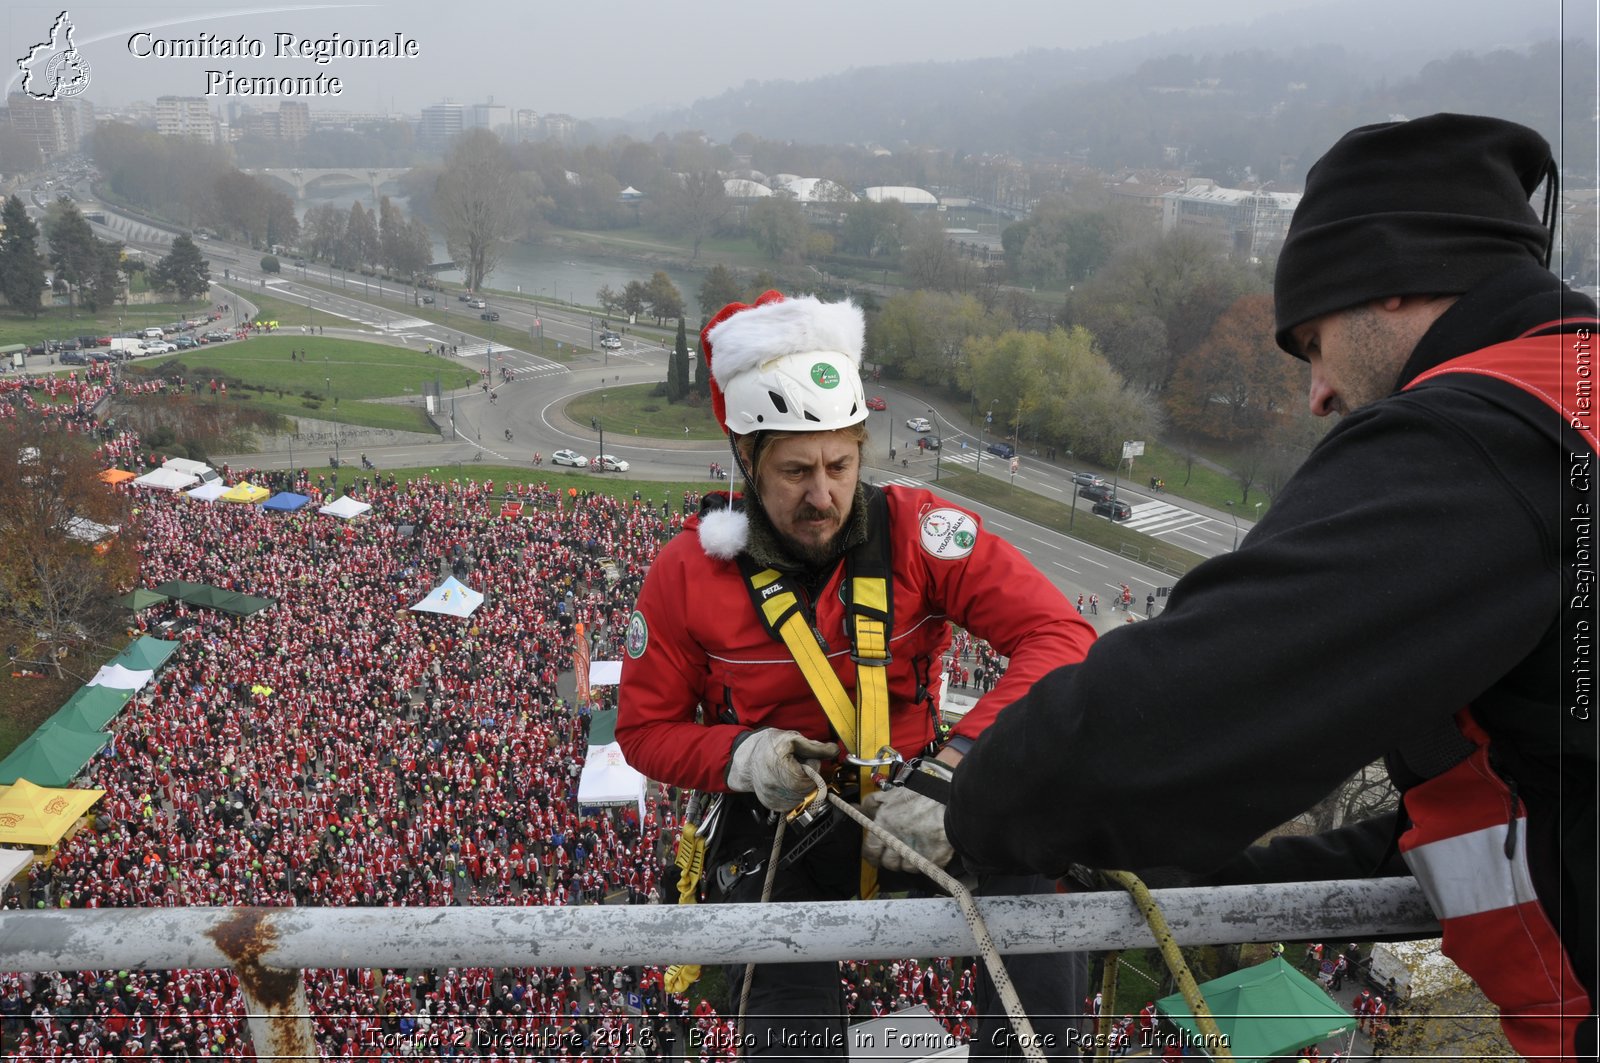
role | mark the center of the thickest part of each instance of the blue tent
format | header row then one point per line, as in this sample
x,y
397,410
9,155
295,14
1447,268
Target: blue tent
x,y
285,501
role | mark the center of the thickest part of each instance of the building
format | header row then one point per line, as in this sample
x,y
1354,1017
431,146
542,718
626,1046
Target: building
x,y
294,120
560,127
491,116
55,126
186,116
1247,224
441,122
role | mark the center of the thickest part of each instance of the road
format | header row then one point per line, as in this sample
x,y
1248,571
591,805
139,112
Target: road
x,y
530,409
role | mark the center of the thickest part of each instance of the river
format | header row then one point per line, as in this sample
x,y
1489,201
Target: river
x,y
538,269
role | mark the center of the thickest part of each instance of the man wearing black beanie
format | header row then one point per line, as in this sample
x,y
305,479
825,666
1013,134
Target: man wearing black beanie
x,y
1422,590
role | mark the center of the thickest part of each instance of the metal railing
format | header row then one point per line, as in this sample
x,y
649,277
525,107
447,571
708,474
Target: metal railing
x,y
270,947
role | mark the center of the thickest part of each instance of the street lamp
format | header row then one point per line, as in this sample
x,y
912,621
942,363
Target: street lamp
x,y
988,419
600,430
1235,517
938,452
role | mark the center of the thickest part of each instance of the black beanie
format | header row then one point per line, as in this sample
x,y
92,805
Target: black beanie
x,y
1425,207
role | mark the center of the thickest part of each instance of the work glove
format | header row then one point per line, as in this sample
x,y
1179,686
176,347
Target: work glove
x,y
912,817
767,763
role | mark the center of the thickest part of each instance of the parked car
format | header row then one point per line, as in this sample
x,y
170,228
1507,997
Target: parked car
x,y
608,463
183,343
569,457
919,424
1001,449
876,402
218,337
1113,509
74,358
159,347
1100,492
490,315
1086,479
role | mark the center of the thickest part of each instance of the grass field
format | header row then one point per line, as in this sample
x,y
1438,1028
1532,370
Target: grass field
x,y
65,323
336,381
633,410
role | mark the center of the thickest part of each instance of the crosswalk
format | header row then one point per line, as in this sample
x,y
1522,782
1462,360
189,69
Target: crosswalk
x,y
525,365
1154,518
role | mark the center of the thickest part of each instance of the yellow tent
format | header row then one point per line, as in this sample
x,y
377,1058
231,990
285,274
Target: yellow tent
x,y
37,815
245,491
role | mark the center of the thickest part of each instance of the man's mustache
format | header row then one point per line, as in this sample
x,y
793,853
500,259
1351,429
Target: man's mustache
x,y
810,512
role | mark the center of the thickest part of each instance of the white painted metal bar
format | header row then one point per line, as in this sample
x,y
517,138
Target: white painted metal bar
x,y
294,938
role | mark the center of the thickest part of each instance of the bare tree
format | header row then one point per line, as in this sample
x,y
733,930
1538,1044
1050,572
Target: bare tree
x,y
56,579
476,201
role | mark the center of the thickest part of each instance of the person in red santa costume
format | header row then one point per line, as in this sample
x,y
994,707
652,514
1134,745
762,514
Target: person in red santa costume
x,y
809,538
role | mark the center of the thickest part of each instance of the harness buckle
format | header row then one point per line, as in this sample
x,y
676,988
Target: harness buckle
x,y
872,662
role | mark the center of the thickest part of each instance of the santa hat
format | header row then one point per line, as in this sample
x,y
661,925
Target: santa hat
x,y
745,336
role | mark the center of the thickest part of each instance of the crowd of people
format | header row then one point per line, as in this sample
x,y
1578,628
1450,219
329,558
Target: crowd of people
x,y
341,749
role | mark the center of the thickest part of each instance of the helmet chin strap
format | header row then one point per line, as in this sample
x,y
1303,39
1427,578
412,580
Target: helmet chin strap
x,y
744,470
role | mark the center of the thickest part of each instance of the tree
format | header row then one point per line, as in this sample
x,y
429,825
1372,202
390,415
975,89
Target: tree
x,y
635,295
53,584
1237,384
678,368
778,225
270,264
21,265
694,205
607,299
391,233
73,254
663,297
680,362
923,335
324,229
361,236
81,260
414,250
183,271
719,288
476,200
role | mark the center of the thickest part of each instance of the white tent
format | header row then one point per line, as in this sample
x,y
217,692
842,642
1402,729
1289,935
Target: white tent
x,y
452,598
89,531
13,862
608,780
209,492
605,673
166,480
119,678
345,507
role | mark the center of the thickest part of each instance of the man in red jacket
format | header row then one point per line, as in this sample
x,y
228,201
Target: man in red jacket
x,y
741,666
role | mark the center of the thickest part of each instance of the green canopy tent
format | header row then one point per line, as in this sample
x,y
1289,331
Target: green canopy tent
x,y
1267,1011
146,654
210,597
141,599
52,756
91,708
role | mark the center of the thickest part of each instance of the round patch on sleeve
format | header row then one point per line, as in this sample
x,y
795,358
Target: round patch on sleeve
x,y
638,635
949,534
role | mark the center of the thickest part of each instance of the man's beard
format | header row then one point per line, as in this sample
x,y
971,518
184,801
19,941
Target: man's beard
x,y
816,556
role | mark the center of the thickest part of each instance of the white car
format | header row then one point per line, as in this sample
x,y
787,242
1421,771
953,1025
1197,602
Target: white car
x,y
919,424
608,463
159,347
477,304
569,457
611,343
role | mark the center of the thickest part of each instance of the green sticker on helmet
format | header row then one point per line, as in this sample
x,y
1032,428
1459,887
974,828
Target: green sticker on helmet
x,y
824,375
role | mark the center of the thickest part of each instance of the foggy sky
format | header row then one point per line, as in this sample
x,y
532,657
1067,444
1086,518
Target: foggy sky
x,y
619,57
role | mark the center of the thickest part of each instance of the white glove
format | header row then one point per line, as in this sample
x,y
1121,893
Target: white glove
x,y
914,818
768,765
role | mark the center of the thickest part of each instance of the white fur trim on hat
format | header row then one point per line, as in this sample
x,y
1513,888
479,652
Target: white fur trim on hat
x,y
723,533
801,325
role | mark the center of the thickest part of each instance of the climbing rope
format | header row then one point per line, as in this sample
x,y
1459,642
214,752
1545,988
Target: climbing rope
x,y
1028,1041
1216,1046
